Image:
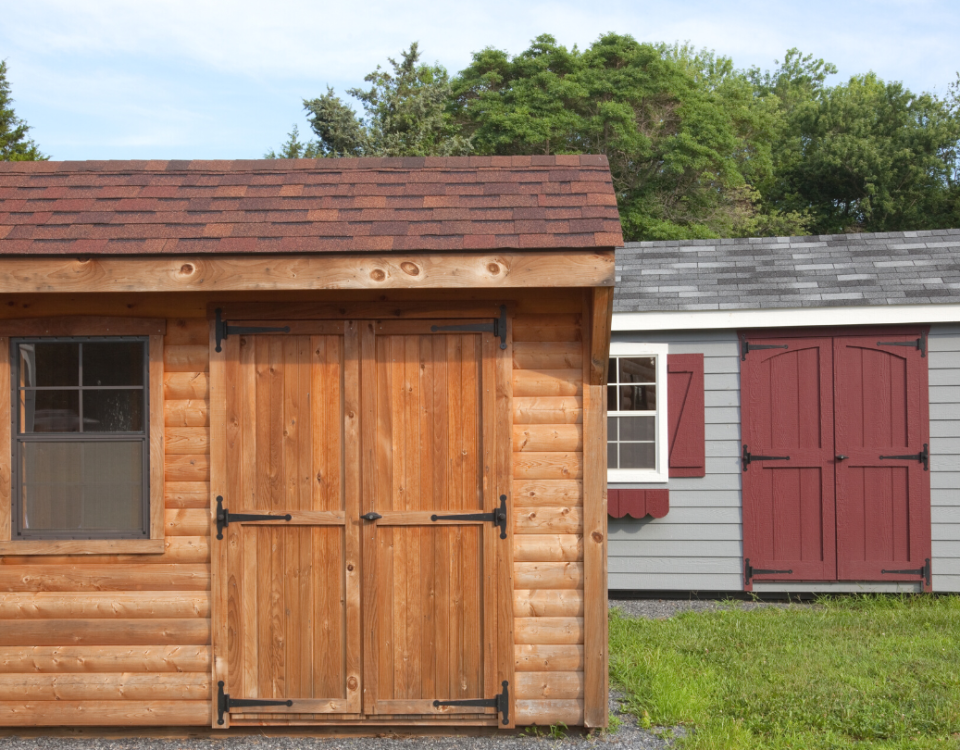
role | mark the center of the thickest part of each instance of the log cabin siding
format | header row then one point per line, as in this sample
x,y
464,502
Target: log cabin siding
x,y
123,638
548,518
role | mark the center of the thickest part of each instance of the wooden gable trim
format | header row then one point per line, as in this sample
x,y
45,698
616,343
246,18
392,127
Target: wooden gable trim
x,y
550,268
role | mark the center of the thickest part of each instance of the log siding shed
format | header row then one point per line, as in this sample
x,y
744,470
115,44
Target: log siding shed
x,y
853,306
375,416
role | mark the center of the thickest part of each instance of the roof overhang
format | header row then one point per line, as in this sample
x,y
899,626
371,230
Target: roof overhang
x,y
677,320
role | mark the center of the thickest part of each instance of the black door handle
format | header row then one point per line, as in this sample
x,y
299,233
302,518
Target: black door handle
x,y
841,457
371,516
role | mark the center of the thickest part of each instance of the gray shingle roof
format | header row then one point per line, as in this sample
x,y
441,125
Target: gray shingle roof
x,y
893,268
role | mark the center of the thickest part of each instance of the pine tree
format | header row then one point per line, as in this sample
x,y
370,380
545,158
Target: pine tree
x,y
14,144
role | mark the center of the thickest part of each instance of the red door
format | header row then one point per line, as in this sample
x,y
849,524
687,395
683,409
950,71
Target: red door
x,y
788,460
883,506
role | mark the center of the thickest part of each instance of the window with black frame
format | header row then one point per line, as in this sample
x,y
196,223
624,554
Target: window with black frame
x,y
80,438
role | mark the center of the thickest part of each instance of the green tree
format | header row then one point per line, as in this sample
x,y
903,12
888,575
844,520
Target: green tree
x,y
681,130
861,156
293,148
405,114
14,144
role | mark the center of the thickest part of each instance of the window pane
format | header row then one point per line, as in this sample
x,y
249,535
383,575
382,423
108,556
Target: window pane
x,y
82,487
637,456
638,369
638,398
113,363
612,398
611,455
612,370
113,411
49,411
637,428
49,365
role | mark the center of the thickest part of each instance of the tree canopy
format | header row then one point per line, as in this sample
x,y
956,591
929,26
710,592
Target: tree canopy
x,y
14,144
697,147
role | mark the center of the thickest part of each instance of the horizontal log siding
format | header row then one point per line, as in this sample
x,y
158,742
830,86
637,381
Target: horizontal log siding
x,y
698,545
547,518
123,639
944,363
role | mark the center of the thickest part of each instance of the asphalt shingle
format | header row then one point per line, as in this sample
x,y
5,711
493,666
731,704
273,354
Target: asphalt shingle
x,y
892,268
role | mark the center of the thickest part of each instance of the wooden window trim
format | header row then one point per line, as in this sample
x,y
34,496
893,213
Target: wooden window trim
x,y
86,326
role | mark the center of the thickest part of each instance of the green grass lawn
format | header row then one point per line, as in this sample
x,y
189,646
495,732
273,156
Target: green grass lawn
x,y
865,672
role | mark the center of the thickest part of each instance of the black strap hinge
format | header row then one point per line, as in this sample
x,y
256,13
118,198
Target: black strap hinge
x,y
500,702
225,703
749,571
498,327
748,457
746,347
923,456
224,329
924,572
920,343
224,517
498,517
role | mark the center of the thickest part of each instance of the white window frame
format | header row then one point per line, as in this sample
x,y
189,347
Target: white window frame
x,y
662,471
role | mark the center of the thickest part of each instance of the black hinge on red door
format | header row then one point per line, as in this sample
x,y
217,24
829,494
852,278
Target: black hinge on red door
x,y
749,571
748,457
223,329
924,572
499,517
923,456
498,327
746,347
920,343
225,703
500,702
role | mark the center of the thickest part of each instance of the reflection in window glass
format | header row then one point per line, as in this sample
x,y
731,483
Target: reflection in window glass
x,y
632,410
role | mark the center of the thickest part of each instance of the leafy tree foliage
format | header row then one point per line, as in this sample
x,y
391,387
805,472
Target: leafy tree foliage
x,y
14,144
406,115
293,148
697,147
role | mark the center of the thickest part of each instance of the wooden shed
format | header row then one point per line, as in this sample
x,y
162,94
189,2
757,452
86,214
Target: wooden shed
x,y
304,442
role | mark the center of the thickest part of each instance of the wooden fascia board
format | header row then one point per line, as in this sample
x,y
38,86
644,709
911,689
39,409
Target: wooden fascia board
x,y
511,269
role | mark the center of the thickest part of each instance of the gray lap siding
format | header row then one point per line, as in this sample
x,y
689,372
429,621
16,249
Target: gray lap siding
x,y
698,545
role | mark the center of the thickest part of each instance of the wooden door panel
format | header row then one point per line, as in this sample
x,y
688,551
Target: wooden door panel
x,y
788,505
883,520
430,586
292,586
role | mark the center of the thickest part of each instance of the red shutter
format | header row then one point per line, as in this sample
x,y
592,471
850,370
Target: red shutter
x,y
686,415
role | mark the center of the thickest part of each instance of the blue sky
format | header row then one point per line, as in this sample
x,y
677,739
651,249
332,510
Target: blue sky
x,y
122,79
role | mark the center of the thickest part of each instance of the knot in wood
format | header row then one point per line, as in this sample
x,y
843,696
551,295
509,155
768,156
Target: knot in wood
x,y
410,268
186,269
377,275
493,268
597,537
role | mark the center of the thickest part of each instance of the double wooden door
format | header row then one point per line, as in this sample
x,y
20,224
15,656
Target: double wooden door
x,y
348,583
835,458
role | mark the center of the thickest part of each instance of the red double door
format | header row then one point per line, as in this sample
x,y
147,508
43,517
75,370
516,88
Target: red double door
x,y
835,458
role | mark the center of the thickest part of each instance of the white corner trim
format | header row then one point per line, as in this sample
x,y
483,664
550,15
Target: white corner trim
x,y
677,320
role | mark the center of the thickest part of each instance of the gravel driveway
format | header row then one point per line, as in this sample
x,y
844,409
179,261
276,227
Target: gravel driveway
x,y
628,737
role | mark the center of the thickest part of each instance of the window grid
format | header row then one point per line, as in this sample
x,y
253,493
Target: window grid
x,y
22,439
615,440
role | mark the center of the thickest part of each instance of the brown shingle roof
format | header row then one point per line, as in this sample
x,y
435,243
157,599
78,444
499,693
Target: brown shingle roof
x,y
307,206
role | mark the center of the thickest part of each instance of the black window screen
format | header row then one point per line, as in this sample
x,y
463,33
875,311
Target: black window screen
x,y
80,435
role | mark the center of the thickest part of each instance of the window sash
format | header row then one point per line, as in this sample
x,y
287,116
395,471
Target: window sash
x,y
22,439
660,471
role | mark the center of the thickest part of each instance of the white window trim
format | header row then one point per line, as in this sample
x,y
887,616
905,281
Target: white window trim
x,y
662,472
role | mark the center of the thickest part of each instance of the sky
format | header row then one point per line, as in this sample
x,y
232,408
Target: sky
x,y
198,79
